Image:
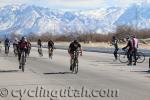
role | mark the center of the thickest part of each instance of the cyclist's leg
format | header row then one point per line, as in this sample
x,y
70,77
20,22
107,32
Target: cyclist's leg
x,y
5,48
115,53
51,51
26,54
38,50
71,57
134,54
19,57
129,55
8,48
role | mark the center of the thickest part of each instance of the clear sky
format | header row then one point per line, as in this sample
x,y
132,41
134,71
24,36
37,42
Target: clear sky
x,y
73,4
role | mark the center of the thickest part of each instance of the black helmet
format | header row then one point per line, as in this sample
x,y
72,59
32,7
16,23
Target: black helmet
x,y
75,41
23,38
114,37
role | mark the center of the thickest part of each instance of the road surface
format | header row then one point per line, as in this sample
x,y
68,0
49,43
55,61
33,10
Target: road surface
x,y
99,78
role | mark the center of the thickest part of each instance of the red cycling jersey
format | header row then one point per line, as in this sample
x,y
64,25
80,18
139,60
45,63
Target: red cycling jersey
x,y
23,45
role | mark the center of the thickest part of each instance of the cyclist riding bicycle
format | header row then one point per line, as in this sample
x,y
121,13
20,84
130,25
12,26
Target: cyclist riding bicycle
x,y
22,46
7,44
29,47
115,43
15,44
74,46
135,48
39,43
130,50
50,46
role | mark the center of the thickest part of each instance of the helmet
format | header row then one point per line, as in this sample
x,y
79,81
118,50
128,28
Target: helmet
x,y
114,37
75,41
16,39
133,36
128,37
24,38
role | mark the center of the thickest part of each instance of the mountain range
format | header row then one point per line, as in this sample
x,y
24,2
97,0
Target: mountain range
x,y
27,19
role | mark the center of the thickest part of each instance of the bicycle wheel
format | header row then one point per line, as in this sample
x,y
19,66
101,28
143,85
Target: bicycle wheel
x,y
50,54
140,57
123,57
76,67
6,52
40,51
15,52
22,67
23,60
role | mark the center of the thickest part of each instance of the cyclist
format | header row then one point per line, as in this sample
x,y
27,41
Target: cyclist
x,y
15,44
7,44
22,46
115,43
50,46
135,47
130,50
74,46
29,47
39,43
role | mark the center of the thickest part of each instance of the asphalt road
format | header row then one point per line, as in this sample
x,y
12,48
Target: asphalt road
x,y
99,75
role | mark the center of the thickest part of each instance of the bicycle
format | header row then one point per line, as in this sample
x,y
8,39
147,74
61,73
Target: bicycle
x,y
75,62
23,60
40,51
140,57
15,51
50,53
6,50
28,51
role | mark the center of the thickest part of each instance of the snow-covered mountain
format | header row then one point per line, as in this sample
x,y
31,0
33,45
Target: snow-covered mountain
x,y
24,19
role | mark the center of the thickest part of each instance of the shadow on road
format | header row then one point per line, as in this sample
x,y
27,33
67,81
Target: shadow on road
x,y
58,73
29,57
8,56
7,71
148,71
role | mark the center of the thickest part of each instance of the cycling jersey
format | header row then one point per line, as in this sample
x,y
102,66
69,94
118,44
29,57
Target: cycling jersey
x,y
74,46
135,43
23,45
29,44
115,43
7,42
129,45
50,44
39,43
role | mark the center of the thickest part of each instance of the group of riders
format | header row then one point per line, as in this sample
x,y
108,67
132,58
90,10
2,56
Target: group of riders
x,y
132,46
24,45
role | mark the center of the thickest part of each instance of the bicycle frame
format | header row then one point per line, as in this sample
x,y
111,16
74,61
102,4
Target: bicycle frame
x,y
23,60
75,62
7,49
40,51
50,52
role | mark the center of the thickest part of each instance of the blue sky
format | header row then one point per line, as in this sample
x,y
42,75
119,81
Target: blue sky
x,y
73,4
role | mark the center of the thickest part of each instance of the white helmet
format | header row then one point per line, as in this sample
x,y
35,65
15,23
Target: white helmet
x,y
16,39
